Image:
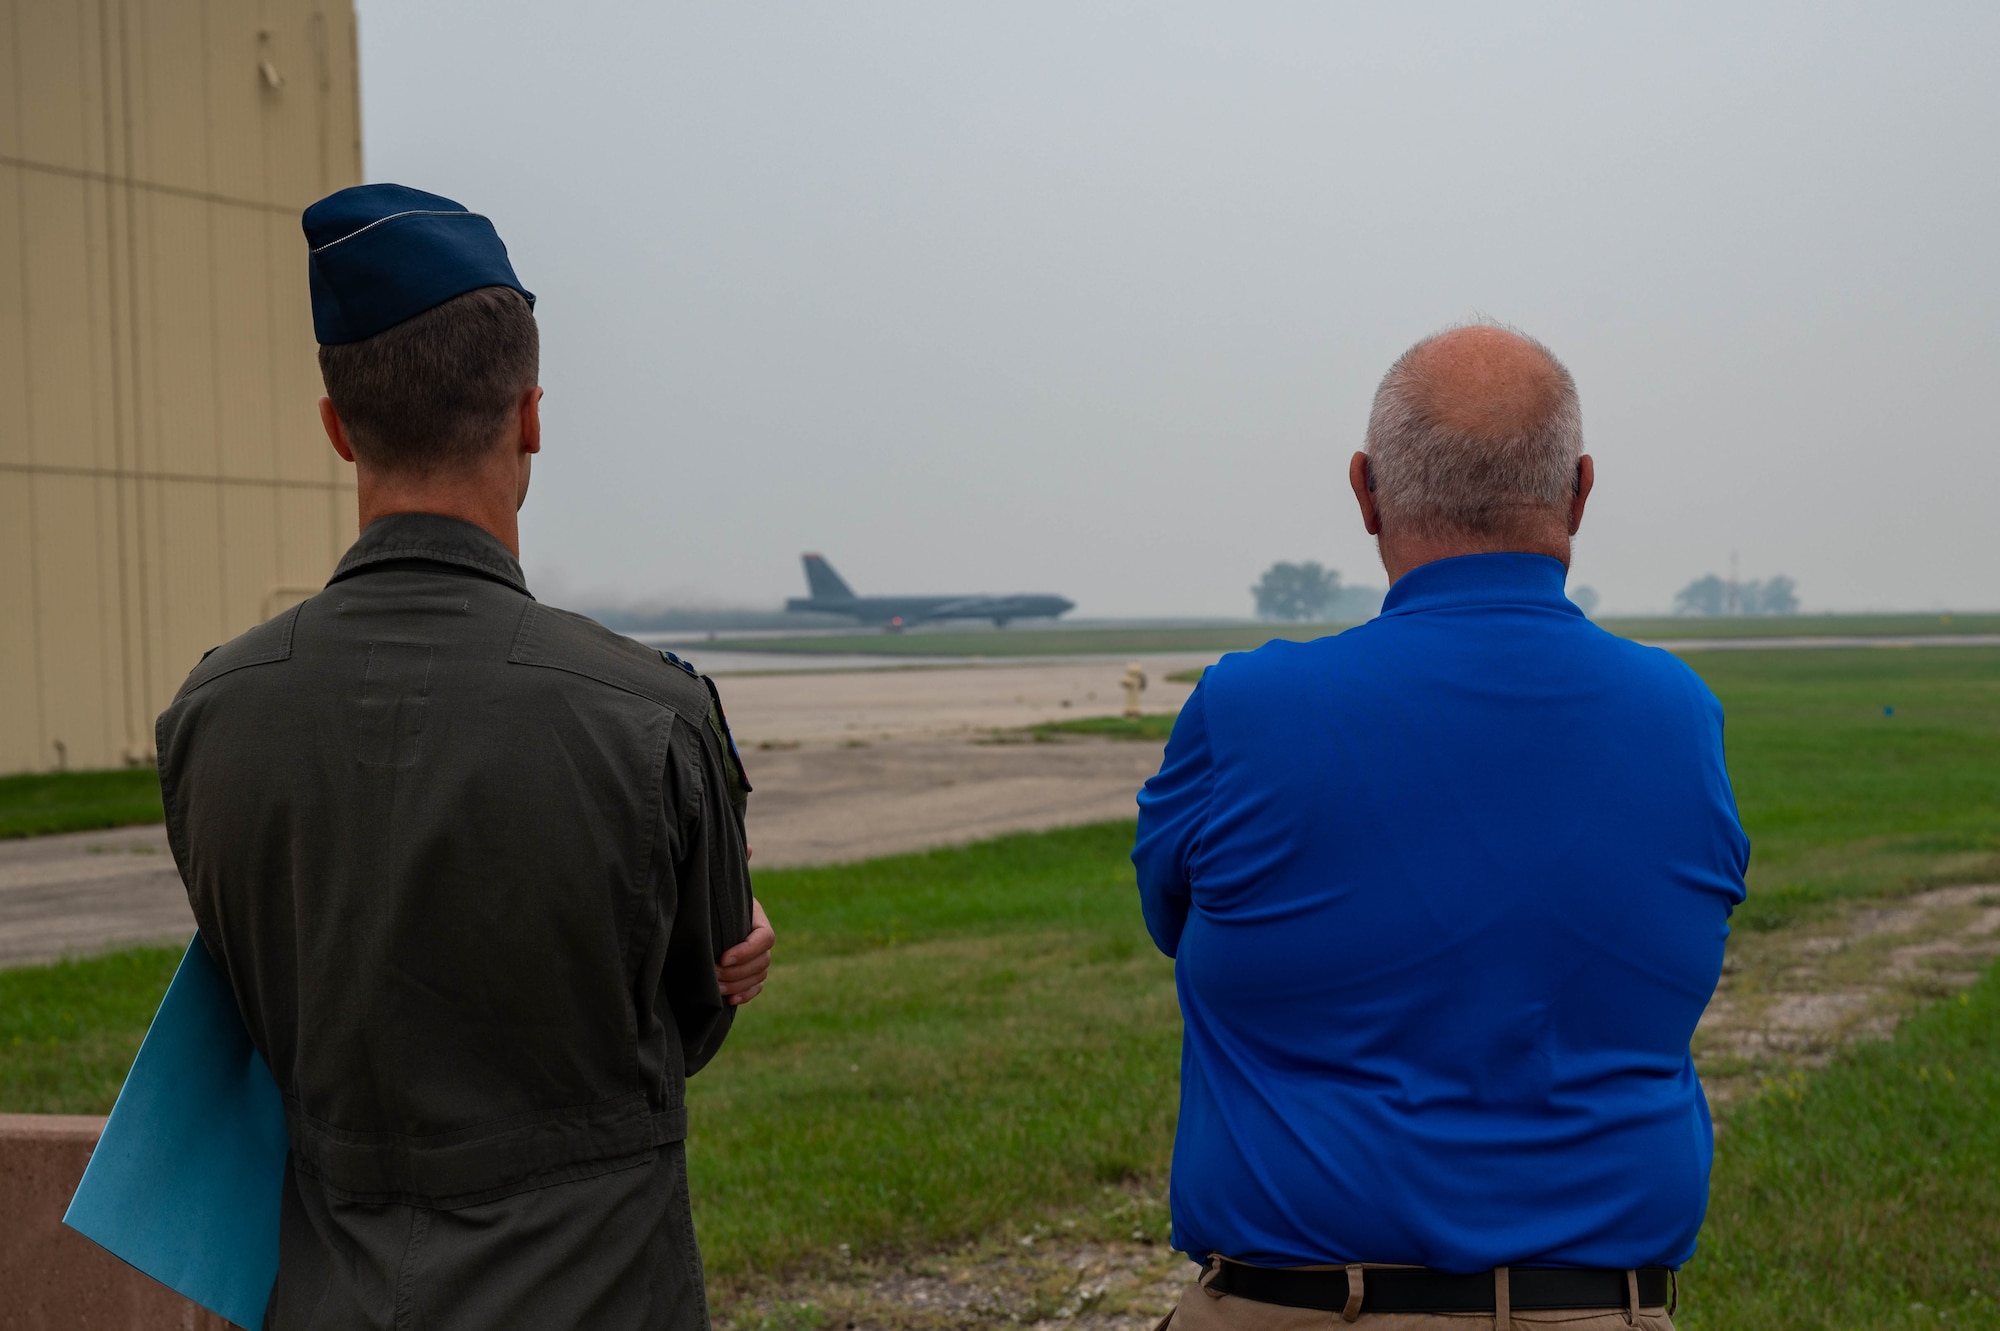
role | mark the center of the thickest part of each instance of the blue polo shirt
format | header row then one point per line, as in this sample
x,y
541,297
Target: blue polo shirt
x,y
1446,895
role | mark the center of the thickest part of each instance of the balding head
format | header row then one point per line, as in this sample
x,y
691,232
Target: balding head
x,y
1475,432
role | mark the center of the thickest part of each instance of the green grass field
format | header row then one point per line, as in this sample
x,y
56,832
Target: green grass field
x,y
1865,1195
1153,727
1082,641
69,1032
965,1042
1842,800
38,803
1665,627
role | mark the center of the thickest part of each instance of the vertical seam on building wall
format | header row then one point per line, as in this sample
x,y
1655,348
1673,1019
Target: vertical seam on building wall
x,y
323,41
110,308
209,215
143,569
35,632
327,186
354,81
323,69
273,435
354,102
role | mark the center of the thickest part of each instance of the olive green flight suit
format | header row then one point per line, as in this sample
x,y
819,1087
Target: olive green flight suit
x,y
468,863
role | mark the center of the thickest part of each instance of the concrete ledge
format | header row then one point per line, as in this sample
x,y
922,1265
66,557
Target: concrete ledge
x,y
51,1278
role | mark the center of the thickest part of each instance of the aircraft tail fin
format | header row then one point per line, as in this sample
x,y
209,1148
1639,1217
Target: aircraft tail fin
x,y
823,582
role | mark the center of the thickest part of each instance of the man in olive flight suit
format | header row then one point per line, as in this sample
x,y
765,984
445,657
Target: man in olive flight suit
x,y
475,868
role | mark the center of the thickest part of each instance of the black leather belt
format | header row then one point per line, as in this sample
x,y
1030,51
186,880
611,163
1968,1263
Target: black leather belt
x,y
1419,1290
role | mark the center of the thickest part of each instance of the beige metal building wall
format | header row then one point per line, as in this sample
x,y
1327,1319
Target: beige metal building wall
x,y
163,481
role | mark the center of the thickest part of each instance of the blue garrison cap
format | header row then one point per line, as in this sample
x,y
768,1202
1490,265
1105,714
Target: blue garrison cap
x,y
385,253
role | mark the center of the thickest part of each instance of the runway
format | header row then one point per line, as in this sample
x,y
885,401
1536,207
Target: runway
x,y
846,765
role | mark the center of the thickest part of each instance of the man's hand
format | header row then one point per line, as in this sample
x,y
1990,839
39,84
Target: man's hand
x,y
742,969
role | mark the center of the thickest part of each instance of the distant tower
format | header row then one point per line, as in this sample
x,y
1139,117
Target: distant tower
x,y
163,482
1732,599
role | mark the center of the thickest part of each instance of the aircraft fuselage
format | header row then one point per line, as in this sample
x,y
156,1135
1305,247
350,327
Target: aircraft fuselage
x,y
903,611
831,596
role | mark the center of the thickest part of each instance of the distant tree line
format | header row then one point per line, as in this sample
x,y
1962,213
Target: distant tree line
x,y
1713,596
1312,592
1297,591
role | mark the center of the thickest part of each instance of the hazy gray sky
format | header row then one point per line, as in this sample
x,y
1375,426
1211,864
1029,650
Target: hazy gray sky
x,y
1091,298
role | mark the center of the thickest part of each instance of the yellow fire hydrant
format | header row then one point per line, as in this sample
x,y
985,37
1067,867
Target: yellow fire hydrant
x,y
1134,683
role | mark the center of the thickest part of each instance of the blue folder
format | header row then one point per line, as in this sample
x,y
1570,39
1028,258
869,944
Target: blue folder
x,y
184,1183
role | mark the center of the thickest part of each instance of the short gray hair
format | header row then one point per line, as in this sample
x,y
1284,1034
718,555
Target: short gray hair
x,y
1431,476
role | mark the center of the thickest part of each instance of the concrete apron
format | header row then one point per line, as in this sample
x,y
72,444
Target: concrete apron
x,y
52,1278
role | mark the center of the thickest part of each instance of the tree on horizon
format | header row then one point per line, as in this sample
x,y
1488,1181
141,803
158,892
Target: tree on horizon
x,y
1710,596
1296,592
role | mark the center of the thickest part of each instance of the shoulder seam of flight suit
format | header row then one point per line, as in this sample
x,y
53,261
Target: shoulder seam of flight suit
x,y
225,662
647,675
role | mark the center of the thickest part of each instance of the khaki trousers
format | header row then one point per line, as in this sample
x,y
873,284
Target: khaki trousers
x,y
1201,1309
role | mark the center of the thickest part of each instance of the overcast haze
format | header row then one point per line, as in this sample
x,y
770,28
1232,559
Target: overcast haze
x,y
1091,298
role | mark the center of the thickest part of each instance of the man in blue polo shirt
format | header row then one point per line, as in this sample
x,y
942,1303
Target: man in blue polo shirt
x,y
1446,894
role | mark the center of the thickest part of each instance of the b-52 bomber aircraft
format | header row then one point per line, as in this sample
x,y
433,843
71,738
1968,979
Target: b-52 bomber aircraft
x,y
832,596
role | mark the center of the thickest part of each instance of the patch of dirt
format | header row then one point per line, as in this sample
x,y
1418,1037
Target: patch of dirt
x,y
819,802
831,706
1042,1280
1790,998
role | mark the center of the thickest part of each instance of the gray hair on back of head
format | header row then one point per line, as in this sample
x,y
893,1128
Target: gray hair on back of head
x,y
1434,478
